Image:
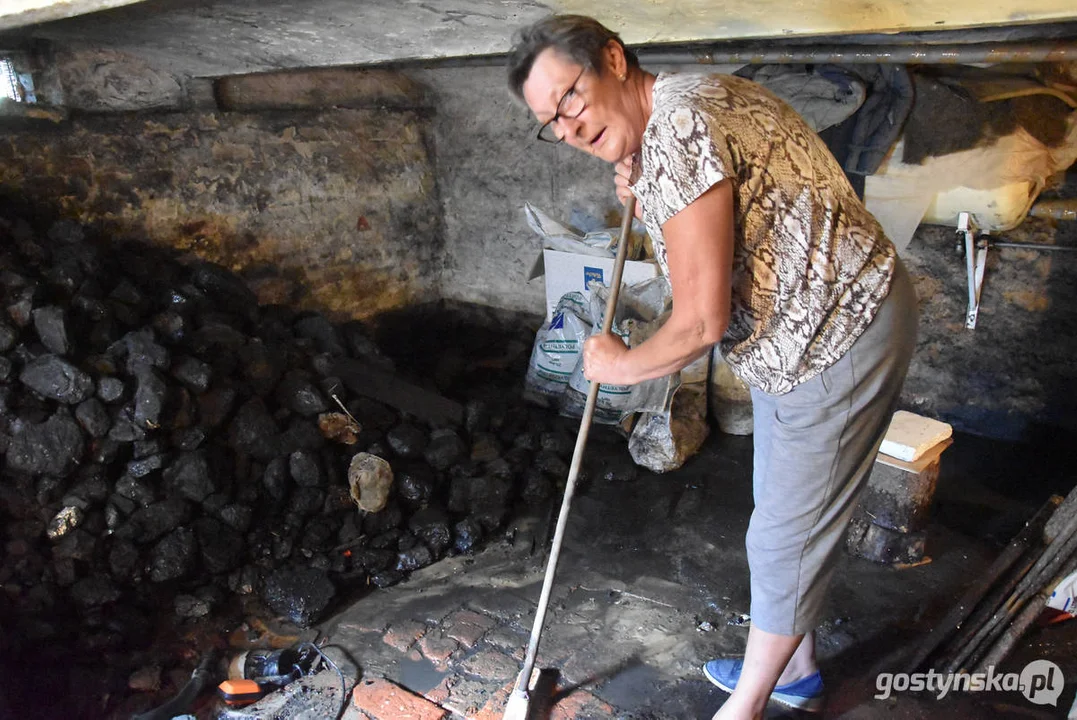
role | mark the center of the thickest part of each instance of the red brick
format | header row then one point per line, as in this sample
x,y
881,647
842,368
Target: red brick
x,y
403,635
441,693
580,704
468,627
494,709
437,649
490,664
383,700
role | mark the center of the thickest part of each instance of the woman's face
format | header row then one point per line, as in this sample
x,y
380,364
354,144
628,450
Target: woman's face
x,y
604,128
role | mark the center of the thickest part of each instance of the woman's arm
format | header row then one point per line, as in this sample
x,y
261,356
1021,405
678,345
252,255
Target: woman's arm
x,y
699,252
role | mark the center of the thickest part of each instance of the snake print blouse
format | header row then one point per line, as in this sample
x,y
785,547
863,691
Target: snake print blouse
x,y
811,266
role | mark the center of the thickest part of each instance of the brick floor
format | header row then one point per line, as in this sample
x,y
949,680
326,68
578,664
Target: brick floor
x,y
490,664
468,627
437,648
403,635
382,700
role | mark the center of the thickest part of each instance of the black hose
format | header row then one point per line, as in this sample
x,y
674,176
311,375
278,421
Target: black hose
x,y
184,699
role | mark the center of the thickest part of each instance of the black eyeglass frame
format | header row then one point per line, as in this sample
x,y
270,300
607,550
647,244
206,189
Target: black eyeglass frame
x,y
558,114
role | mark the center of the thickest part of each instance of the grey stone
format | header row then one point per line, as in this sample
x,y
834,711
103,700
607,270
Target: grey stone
x,y
302,594
6,367
57,379
51,327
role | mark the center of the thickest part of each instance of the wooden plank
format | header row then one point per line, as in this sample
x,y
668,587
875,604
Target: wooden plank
x,y
386,387
917,466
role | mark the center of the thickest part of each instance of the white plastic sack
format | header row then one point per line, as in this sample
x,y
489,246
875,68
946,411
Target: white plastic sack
x,y
556,352
641,310
555,236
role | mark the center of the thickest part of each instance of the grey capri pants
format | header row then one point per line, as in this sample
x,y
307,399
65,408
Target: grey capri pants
x,y
814,449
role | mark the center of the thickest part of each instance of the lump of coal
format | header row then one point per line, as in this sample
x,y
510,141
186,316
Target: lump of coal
x,y
415,558
415,485
189,477
407,441
110,389
95,591
57,379
93,417
222,547
445,449
151,522
253,431
53,447
174,556
193,373
468,534
302,594
149,397
431,525
51,328
370,479
298,393
305,469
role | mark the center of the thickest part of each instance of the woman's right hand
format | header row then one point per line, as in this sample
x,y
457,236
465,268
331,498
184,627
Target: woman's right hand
x,y
621,181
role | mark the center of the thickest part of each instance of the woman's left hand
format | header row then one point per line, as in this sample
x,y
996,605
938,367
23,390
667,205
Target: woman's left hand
x,y
602,354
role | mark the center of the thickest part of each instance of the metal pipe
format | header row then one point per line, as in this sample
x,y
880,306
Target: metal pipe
x,y
1055,209
732,54
1033,246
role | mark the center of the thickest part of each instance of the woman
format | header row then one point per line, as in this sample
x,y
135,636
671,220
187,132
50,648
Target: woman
x,y
769,252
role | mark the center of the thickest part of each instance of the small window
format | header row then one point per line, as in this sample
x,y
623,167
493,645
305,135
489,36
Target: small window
x,y
10,87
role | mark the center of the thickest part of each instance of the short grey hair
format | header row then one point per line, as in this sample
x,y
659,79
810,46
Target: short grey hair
x,y
577,37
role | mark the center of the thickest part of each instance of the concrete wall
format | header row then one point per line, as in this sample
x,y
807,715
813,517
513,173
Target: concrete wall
x,y
488,165
328,207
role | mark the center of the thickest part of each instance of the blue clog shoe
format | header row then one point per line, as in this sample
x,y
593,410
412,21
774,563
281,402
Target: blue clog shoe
x,y
804,694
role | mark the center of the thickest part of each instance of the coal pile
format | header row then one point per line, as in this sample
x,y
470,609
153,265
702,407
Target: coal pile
x,y
170,446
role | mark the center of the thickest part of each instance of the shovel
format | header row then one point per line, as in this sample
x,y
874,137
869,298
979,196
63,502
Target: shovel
x,y
518,706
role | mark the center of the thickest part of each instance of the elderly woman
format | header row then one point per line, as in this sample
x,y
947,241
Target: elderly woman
x,y
770,253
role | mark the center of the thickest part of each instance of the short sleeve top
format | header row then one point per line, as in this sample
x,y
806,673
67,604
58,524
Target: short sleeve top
x,y
811,266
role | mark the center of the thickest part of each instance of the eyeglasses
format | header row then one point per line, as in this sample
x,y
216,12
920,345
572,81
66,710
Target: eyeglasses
x,y
569,107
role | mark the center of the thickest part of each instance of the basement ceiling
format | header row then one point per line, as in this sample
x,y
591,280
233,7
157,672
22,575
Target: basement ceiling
x,y
222,37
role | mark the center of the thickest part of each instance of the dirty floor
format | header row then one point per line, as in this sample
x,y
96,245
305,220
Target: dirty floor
x,y
652,580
